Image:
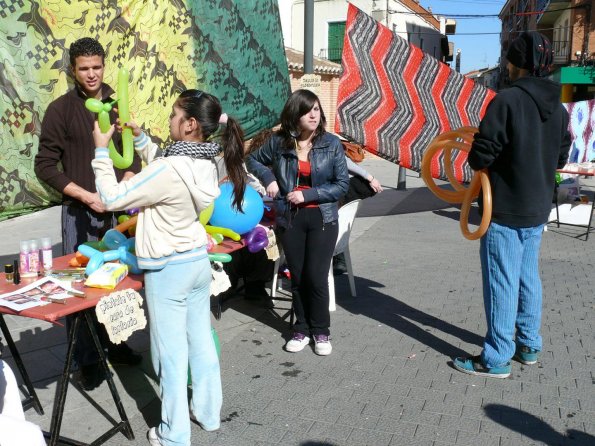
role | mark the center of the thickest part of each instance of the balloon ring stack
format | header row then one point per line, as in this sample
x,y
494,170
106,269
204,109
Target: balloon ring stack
x,y
447,143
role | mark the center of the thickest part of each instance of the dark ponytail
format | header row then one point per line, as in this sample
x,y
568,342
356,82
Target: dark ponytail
x,y
206,109
233,155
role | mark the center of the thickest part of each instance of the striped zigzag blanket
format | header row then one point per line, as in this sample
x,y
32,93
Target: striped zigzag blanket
x,y
395,99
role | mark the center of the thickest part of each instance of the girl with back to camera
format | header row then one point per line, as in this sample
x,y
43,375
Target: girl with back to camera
x,y
307,176
171,246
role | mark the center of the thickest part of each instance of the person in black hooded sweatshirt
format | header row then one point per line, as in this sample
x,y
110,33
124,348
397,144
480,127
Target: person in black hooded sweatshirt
x,y
522,139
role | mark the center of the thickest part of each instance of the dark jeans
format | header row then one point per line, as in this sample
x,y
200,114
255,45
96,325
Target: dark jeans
x,y
308,245
79,225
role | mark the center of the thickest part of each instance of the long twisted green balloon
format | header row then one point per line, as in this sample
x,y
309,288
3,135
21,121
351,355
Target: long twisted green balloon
x,y
96,106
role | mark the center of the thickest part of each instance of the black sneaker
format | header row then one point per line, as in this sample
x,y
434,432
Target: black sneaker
x,y
121,354
339,265
89,376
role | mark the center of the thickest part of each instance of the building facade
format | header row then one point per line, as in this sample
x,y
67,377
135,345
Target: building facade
x,y
488,77
568,24
407,18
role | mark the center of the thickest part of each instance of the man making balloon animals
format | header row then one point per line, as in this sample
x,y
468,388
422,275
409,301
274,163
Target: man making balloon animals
x,y
66,139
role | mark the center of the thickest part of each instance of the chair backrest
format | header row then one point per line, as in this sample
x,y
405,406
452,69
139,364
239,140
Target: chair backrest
x,y
346,216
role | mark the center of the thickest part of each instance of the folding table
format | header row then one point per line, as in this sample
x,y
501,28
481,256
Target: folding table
x,y
80,308
587,208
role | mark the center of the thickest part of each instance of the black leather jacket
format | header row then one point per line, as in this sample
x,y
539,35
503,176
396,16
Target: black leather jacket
x,y
330,179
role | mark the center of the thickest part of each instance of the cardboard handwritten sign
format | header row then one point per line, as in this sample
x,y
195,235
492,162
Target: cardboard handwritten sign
x,y
272,249
220,281
122,314
311,82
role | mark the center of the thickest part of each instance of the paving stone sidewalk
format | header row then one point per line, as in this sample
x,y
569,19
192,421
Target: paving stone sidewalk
x,y
389,380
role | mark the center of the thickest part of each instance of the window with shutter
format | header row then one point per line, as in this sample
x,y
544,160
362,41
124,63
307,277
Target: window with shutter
x,y
336,33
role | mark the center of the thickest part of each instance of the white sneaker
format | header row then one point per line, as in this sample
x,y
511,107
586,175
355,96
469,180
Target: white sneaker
x,y
297,342
322,345
153,437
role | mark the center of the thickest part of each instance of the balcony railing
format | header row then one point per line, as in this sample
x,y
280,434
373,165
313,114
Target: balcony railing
x,y
561,52
553,9
540,5
332,54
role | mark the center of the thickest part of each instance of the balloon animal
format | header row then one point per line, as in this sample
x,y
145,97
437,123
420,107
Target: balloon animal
x,y
459,139
119,249
96,106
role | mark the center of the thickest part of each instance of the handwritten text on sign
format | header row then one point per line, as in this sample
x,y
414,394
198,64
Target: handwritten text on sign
x,y
122,314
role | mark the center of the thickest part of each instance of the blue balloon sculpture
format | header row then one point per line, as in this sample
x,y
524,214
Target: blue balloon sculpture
x,y
119,247
226,215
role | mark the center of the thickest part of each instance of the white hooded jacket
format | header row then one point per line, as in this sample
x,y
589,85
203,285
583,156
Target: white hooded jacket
x,y
170,192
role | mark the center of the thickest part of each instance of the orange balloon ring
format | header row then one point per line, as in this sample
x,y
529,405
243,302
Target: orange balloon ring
x,y
126,225
459,139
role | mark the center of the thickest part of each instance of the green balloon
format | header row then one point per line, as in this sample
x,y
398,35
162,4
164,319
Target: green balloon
x,y
219,257
125,160
104,122
94,105
217,347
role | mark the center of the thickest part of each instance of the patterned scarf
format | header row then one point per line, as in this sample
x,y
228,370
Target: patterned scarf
x,y
196,150
531,51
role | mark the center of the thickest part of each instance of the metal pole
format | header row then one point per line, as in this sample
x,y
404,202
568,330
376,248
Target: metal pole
x,y
386,17
308,36
458,62
401,180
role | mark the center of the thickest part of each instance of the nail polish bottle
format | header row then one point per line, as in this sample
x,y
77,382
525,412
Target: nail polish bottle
x,y
16,275
9,273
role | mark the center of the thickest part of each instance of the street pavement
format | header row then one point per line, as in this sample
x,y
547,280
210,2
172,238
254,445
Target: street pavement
x,y
389,380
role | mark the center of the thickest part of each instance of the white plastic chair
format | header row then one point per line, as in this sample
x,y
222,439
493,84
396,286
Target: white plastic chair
x,y
347,215
279,261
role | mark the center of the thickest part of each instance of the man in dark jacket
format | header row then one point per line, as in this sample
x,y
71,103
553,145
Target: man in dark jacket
x,y
522,139
66,149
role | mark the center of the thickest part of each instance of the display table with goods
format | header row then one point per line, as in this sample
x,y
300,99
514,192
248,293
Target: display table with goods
x,y
79,302
572,207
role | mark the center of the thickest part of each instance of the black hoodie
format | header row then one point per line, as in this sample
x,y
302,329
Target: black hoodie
x,y
522,139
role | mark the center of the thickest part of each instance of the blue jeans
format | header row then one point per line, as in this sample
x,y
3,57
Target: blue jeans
x,y
178,300
511,290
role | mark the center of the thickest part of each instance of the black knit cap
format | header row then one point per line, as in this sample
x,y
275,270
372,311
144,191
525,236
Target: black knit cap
x,y
531,51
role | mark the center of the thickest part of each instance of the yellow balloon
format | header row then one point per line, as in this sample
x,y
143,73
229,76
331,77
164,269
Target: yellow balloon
x,y
205,214
223,231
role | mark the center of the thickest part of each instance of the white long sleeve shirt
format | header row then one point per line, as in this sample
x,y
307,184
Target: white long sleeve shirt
x,y
170,192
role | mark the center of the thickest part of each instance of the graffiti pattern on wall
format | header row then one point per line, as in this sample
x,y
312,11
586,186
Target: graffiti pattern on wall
x,y
231,49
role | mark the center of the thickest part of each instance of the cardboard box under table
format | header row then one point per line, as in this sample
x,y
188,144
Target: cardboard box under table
x,y
80,308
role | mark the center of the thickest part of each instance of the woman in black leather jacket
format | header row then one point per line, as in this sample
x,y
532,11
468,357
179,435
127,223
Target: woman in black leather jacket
x,y
303,168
